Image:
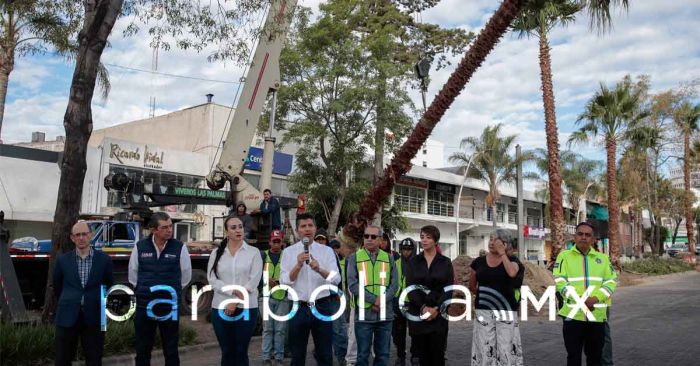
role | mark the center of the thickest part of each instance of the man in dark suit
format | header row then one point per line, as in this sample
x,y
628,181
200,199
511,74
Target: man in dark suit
x,y
77,279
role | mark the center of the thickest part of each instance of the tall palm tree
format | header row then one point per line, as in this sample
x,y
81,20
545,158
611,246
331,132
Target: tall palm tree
x,y
29,27
687,119
612,113
493,163
487,39
537,19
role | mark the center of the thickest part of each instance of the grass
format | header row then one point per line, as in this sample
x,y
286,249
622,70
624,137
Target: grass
x,y
657,266
34,344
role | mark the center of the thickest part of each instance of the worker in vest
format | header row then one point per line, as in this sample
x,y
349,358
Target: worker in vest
x,y
373,318
582,273
407,248
274,331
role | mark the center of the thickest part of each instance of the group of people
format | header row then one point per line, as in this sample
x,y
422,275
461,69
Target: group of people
x,y
313,278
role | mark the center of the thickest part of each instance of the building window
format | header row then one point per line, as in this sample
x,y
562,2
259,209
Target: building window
x,y
409,199
441,203
533,218
512,214
425,151
501,212
425,164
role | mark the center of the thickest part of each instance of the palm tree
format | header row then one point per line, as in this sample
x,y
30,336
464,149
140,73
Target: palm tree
x,y
401,162
493,164
686,119
537,19
611,113
33,26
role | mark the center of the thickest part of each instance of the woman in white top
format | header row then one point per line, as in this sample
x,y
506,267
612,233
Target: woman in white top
x,y
234,273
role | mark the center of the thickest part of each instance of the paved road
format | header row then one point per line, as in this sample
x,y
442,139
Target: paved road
x,y
655,323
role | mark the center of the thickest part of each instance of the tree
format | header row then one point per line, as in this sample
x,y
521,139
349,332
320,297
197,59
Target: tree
x,y
188,24
538,18
30,27
493,163
401,162
612,113
686,119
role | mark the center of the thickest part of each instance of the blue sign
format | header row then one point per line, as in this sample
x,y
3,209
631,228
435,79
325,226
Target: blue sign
x,y
281,162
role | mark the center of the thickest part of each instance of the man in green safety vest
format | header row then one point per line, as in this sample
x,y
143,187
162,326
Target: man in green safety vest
x,y
586,280
407,248
373,281
274,331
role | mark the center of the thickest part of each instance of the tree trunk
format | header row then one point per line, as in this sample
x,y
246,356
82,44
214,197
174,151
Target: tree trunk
x,y
379,137
494,215
100,16
7,64
401,163
613,204
556,205
688,201
337,208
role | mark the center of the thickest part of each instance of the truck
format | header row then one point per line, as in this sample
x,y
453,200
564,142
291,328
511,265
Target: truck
x,y
116,235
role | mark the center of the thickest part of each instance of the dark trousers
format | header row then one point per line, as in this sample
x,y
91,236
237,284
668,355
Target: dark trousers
x,y
91,339
431,347
588,337
145,328
303,323
398,334
234,336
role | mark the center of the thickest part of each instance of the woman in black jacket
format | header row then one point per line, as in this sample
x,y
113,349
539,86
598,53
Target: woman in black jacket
x,y
431,272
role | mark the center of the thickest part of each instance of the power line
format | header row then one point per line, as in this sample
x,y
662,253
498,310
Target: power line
x,y
173,75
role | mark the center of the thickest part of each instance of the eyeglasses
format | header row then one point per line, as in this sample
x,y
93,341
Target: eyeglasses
x,y
586,235
371,236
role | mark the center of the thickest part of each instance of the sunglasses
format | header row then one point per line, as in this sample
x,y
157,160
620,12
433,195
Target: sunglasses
x,y
371,236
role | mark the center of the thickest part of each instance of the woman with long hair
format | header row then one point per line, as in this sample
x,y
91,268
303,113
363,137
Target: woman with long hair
x,y
496,278
234,272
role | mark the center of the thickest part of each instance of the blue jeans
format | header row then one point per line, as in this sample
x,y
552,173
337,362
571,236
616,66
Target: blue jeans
x,y
274,332
381,332
303,323
234,336
340,333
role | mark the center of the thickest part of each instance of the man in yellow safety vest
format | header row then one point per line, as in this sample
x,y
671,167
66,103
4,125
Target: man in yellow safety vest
x,y
274,331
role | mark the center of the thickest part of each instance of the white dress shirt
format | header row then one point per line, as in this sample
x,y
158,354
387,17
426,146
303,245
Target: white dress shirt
x,y
243,269
308,280
185,264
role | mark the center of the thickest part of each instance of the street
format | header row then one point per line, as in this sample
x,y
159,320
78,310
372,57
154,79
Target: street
x,y
654,323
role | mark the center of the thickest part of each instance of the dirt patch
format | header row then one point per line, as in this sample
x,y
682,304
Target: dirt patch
x,y
630,279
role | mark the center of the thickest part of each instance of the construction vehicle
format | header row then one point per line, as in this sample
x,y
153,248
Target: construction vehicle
x,y
30,256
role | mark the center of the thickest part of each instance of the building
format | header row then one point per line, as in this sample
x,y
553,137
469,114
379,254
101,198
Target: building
x,y
178,148
431,155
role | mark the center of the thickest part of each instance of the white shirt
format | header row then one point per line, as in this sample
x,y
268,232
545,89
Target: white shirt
x,y
308,280
243,269
185,264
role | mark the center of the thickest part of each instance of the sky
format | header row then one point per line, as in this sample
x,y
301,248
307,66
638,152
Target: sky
x,y
657,38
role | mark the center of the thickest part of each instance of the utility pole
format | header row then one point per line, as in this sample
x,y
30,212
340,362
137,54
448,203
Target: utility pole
x,y
519,194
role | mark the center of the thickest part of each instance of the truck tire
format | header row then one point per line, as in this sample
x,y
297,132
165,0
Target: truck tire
x,y
199,280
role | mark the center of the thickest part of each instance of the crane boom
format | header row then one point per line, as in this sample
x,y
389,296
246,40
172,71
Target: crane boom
x,y
263,77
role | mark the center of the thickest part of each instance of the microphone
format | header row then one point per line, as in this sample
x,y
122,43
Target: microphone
x,y
306,243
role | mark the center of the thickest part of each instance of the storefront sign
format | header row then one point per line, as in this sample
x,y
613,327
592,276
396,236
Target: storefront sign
x,y
281,162
534,232
412,182
133,156
441,187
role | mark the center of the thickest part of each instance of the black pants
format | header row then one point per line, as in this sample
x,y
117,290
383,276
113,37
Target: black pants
x,y
431,347
398,334
145,328
588,337
91,339
303,323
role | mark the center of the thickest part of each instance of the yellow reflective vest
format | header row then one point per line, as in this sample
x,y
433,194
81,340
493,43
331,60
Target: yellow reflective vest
x,y
574,273
376,274
273,271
